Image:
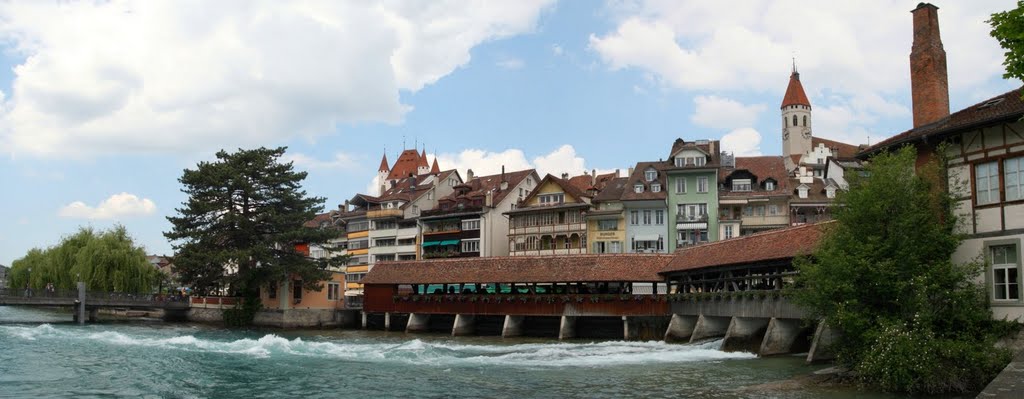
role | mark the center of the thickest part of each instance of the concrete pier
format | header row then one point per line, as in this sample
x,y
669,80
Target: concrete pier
x,y
783,336
680,328
567,328
387,321
744,334
709,327
418,322
513,326
363,317
465,324
821,345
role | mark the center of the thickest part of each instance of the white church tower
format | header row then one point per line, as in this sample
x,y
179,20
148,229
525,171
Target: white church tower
x,y
382,174
796,121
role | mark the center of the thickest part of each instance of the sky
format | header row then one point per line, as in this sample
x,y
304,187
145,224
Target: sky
x,y
104,104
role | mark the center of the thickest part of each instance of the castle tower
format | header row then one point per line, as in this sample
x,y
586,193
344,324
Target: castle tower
x,y
796,120
382,174
422,167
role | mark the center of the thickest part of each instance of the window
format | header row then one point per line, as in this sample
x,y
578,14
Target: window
x,y
830,192
700,161
803,192
741,185
773,210
794,120
728,231
681,185
473,224
1005,284
805,120
1013,176
354,277
297,289
638,188
616,247
608,224
680,162
551,199
986,178
702,184
430,195
655,187
471,245
647,217
759,210
659,217
693,212
272,290
769,185
650,174
333,291
748,210
634,217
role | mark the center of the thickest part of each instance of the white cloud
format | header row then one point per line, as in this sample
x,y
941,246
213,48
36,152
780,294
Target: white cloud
x,y
510,63
742,142
115,207
724,113
102,77
557,50
564,159
340,160
856,54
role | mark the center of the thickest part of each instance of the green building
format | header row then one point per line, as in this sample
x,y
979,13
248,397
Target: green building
x,y
693,192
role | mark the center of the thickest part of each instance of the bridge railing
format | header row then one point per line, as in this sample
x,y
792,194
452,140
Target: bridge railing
x,y
35,293
92,298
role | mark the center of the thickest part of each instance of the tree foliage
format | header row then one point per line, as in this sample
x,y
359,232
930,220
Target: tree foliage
x,y
106,261
1008,29
883,277
241,222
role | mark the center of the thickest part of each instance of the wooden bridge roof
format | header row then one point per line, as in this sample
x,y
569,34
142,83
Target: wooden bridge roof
x,y
522,269
771,245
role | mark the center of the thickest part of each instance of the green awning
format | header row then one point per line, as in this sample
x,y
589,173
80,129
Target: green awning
x,y
449,242
431,243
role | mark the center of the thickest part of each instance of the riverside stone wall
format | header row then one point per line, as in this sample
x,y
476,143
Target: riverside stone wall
x,y
292,318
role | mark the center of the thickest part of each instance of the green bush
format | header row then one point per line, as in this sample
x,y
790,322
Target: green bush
x,y
243,313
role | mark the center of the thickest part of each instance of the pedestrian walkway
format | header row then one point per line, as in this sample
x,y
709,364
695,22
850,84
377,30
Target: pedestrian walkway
x,y
1009,384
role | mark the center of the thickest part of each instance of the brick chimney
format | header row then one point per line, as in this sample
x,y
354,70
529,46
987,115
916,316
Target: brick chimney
x,y
929,85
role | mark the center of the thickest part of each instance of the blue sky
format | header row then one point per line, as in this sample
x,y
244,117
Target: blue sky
x,y
105,104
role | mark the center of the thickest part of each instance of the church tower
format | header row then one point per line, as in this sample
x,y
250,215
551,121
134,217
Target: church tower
x,y
422,167
796,120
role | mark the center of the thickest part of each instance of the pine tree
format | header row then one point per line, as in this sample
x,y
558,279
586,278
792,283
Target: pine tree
x,y
241,223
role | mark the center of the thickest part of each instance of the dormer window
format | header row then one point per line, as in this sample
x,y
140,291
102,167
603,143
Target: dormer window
x,y
680,162
638,188
802,192
655,187
551,199
741,185
650,174
830,192
769,185
700,161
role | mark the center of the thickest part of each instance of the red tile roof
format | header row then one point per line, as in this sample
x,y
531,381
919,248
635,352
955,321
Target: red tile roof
x,y
479,186
770,245
1004,107
434,169
612,190
406,165
318,220
383,163
840,149
795,92
567,188
762,168
522,269
629,194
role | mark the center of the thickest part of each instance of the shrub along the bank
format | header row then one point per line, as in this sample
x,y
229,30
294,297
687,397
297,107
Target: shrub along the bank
x,y
910,319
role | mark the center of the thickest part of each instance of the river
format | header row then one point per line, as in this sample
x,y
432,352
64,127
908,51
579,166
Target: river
x,y
42,355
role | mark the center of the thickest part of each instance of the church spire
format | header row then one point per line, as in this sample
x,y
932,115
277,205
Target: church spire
x,y
384,163
434,169
795,91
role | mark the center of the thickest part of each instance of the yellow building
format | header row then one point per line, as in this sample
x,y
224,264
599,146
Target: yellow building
x,y
606,222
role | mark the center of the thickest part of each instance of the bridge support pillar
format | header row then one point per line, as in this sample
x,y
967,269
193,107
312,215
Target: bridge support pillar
x,y
709,327
81,303
418,322
821,344
680,328
745,334
567,329
513,326
363,314
387,321
465,324
780,336
92,314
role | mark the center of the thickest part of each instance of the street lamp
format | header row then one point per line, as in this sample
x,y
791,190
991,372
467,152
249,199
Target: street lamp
x,y
28,284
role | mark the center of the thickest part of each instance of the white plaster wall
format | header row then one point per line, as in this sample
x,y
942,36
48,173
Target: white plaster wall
x,y
1014,216
971,251
963,211
988,220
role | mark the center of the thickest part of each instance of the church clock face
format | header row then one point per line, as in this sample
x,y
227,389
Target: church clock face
x,y
807,133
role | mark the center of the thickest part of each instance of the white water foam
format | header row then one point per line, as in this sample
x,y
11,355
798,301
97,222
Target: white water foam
x,y
414,352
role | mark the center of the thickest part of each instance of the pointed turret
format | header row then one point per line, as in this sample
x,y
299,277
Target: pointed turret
x,y
434,169
423,158
795,91
384,164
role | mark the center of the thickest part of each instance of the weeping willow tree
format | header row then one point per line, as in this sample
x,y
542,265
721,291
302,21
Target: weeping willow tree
x,y
105,260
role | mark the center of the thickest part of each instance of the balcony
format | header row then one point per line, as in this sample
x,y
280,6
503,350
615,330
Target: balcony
x,y
776,220
683,218
557,251
383,213
556,228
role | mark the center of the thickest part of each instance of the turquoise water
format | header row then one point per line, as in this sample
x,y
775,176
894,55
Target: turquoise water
x,y
41,355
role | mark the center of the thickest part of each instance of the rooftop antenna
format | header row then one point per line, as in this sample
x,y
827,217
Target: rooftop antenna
x,y
794,62
403,142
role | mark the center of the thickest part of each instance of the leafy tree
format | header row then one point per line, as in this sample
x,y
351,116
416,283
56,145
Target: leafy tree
x,y
911,320
1008,29
241,223
106,261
